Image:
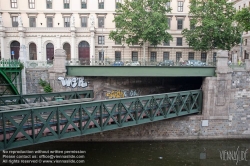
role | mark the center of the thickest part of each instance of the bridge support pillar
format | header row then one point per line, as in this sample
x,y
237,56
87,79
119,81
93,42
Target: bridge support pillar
x,y
58,69
217,90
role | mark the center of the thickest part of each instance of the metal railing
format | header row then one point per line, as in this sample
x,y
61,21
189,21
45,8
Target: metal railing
x,y
128,62
241,65
43,97
6,63
42,124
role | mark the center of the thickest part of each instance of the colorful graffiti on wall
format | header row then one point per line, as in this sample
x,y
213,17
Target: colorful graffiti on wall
x,y
73,82
122,93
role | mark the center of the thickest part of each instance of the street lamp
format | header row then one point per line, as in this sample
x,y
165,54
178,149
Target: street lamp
x,y
102,41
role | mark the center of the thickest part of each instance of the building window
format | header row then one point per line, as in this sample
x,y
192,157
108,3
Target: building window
x,y
214,56
101,40
117,3
153,57
168,5
178,56
101,22
134,56
101,55
32,4
100,4
49,21
192,25
84,4
117,55
169,23
66,4
245,43
84,21
165,56
179,24
203,56
14,21
49,4
32,21
66,21
191,56
180,6
13,3
166,43
118,42
246,55
179,41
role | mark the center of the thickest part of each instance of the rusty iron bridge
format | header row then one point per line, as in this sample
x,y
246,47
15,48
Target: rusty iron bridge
x,y
32,119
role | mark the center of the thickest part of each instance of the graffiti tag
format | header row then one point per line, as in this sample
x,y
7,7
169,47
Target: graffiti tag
x,y
73,82
122,93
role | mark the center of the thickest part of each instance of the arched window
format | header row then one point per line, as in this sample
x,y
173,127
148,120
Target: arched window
x,y
50,51
14,49
83,51
66,47
32,51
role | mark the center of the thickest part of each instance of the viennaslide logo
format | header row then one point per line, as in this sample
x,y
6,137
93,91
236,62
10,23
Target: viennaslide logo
x,y
234,155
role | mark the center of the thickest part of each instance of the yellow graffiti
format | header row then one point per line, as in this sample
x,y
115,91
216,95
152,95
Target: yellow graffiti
x,y
115,94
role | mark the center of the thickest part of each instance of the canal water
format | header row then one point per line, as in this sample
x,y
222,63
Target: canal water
x,y
158,153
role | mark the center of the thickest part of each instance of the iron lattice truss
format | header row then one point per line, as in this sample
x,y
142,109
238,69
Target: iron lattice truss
x,y
42,124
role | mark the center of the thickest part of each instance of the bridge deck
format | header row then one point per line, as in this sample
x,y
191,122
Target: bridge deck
x,y
21,127
141,71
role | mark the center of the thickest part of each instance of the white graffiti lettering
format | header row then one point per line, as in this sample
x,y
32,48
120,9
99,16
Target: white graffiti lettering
x,y
73,82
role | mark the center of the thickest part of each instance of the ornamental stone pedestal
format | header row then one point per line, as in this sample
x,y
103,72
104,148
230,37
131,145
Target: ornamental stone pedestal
x,y
58,69
217,90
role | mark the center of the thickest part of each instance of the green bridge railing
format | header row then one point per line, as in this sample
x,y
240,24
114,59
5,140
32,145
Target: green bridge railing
x,y
42,124
44,97
5,63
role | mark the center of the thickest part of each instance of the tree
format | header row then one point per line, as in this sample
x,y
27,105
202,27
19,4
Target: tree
x,y
243,18
141,21
214,25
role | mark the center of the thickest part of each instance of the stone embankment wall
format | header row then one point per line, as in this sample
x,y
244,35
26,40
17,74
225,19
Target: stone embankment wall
x,y
226,114
233,123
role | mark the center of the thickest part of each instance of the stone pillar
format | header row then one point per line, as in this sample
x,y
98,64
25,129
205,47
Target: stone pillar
x,y
21,33
92,47
58,41
39,48
58,69
23,59
247,61
73,46
217,90
3,53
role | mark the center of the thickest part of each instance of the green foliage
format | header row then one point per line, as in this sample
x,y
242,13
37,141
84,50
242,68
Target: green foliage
x,y
46,86
214,25
21,65
140,21
243,18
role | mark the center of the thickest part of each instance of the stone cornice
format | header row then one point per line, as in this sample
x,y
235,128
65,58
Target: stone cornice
x,y
118,46
101,46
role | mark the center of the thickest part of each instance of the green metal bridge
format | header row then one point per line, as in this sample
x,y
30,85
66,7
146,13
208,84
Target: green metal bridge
x,y
10,77
75,117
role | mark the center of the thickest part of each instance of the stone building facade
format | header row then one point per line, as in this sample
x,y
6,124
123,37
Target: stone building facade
x,y
76,26
242,50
